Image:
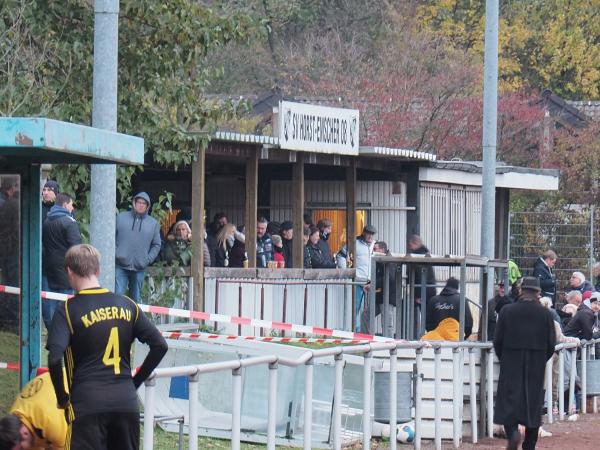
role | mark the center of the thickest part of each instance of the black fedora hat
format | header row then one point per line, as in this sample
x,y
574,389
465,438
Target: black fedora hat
x,y
531,283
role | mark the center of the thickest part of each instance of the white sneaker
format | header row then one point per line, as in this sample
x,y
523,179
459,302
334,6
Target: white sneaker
x,y
543,433
573,418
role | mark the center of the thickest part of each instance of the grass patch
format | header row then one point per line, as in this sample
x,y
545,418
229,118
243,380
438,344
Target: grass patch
x,y
9,380
166,441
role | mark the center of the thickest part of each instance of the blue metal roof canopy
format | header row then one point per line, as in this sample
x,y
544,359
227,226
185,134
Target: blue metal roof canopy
x,y
25,144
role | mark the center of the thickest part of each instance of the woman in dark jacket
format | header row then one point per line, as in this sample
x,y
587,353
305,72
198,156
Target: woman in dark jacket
x,y
318,260
231,249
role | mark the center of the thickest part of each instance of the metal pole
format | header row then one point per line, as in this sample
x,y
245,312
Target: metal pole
x,y
490,123
308,400
549,390
149,387
193,412
393,398
372,299
592,214
423,294
437,394
104,115
388,331
561,384
572,375
456,397
236,409
418,398
490,392
272,406
367,364
473,395
462,307
337,402
584,378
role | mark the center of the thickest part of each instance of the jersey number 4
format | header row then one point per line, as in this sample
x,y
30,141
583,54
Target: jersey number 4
x,y
111,354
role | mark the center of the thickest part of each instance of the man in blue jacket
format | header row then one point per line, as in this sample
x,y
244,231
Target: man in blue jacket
x,y
137,246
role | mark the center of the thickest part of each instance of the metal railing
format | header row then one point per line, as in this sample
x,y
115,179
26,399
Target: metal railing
x,y
308,358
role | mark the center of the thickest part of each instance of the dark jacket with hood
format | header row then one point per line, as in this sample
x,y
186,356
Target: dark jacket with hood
x,y
59,233
445,305
137,238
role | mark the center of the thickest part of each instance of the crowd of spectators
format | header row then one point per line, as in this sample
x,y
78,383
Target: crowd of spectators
x,y
577,319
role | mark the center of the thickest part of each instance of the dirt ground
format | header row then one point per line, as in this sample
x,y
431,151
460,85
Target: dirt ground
x,y
580,435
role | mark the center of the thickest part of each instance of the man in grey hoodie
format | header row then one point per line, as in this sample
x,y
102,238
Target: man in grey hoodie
x,y
137,246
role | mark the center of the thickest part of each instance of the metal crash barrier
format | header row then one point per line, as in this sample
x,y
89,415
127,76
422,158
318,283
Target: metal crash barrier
x,y
460,351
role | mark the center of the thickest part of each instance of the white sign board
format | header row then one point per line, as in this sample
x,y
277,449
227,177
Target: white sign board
x,y
318,128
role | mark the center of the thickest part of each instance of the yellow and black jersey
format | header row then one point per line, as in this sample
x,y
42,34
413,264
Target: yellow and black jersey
x,y
94,331
36,408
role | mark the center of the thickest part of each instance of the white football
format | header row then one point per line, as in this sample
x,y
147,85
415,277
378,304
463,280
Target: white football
x,y
405,433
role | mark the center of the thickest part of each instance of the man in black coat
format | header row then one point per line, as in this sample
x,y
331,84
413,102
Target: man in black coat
x,y
59,233
446,305
542,269
524,342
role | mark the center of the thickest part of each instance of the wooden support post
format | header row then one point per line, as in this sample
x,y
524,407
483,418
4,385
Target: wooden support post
x,y
251,206
351,231
31,273
298,210
198,191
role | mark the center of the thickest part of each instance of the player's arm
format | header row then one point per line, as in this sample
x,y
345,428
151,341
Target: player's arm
x,y
147,333
58,341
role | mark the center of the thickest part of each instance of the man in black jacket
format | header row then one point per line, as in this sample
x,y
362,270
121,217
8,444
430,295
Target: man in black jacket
x,y
59,233
324,226
447,304
582,324
542,269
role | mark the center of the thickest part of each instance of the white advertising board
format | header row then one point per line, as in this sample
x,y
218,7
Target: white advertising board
x,y
318,128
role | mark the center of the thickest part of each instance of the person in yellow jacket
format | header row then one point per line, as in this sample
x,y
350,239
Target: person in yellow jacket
x,y
447,330
35,421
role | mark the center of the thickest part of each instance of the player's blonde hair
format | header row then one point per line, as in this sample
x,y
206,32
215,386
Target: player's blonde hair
x,y
84,260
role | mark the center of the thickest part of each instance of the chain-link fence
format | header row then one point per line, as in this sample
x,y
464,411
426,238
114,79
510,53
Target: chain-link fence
x,y
572,235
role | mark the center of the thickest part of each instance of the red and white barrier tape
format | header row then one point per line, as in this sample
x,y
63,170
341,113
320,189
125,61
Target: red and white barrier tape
x,y
45,295
9,366
283,340
234,320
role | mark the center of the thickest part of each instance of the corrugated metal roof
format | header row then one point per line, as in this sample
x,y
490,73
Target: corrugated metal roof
x,y
231,136
396,152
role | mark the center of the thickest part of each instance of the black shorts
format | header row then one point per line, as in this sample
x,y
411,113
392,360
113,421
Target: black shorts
x,y
106,431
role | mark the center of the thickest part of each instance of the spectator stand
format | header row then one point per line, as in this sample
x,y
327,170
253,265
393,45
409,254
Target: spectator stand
x,y
25,144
